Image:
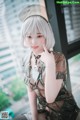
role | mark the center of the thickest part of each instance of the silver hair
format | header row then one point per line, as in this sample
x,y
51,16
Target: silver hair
x,y
35,24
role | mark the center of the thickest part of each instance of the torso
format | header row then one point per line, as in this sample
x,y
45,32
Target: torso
x,y
64,98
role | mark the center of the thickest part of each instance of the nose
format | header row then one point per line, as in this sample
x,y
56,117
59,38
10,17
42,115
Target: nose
x,y
34,41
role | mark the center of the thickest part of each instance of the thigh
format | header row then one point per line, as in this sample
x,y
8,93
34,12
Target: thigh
x,y
20,117
41,116
28,116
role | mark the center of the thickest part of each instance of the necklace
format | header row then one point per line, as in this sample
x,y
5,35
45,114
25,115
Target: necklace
x,y
28,75
36,61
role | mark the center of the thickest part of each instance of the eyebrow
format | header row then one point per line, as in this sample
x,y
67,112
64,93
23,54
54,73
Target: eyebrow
x,y
39,33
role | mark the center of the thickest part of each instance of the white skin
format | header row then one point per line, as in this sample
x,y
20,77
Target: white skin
x,y
52,86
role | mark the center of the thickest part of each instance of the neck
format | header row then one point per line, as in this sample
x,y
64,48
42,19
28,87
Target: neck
x,y
37,53
36,56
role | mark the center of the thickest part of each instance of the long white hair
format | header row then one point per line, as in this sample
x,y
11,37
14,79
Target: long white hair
x,y
37,24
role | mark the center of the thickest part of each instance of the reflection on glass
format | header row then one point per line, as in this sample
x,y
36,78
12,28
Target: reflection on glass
x,y
72,23
74,68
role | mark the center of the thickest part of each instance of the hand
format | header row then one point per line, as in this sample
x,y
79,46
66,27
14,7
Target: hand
x,y
46,57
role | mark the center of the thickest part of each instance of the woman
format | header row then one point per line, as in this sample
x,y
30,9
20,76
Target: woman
x,y
45,73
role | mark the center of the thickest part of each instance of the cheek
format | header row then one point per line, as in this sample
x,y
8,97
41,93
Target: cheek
x,y
42,41
26,43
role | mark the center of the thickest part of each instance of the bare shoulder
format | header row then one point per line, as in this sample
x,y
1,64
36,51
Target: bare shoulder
x,y
59,56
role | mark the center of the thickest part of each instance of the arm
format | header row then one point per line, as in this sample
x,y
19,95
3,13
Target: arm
x,y
52,86
53,81
33,103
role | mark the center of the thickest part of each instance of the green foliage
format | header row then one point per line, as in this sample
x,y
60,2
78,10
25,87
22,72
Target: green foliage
x,y
18,89
76,58
4,100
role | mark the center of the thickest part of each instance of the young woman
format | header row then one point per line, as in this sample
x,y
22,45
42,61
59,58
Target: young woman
x,y
45,73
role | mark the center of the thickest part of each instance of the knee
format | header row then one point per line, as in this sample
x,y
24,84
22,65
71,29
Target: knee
x,y
20,117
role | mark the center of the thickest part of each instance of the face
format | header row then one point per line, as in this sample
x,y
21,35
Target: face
x,y
35,42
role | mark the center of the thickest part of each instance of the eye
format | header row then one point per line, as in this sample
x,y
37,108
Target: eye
x,y
29,37
39,36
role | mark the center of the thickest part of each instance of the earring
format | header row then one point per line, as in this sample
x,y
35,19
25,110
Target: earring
x,y
51,49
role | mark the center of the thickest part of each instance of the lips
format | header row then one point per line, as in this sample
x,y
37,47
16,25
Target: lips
x,y
35,47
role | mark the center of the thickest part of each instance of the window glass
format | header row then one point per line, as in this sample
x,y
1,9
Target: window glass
x,y
72,22
74,68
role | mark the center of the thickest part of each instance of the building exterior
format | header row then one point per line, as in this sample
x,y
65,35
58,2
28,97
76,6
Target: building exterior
x,y
7,57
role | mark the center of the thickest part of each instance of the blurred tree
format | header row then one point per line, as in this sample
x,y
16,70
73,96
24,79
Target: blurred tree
x,y
4,100
18,89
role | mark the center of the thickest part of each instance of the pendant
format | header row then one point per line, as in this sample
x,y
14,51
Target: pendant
x,y
36,67
35,74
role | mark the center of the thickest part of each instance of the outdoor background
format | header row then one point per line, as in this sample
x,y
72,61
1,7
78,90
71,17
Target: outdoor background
x,y
13,92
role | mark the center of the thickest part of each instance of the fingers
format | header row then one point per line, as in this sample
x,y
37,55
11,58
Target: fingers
x,y
45,50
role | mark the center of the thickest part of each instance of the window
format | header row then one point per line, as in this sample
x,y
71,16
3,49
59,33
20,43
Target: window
x,y
74,68
72,22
